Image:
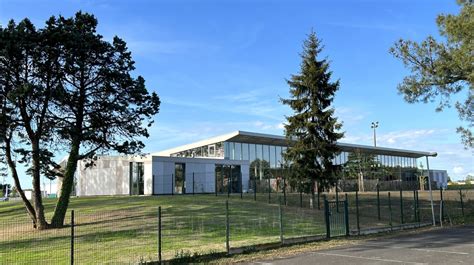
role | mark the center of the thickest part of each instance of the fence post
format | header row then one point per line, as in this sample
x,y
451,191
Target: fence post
x,y
241,186
172,184
301,199
159,235
337,199
255,189
462,203
326,215
72,237
357,212
228,185
227,227
415,207
390,210
442,203
319,203
401,205
418,208
346,214
378,202
193,183
281,223
269,190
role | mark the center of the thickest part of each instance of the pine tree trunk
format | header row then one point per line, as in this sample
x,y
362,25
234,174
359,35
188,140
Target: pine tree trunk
x,y
37,199
16,179
66,187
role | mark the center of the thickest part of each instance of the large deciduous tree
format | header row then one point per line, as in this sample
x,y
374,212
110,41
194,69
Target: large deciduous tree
x,y
63,87
442,68
312,130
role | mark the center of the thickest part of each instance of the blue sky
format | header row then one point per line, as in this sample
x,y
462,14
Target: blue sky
x,y
220,66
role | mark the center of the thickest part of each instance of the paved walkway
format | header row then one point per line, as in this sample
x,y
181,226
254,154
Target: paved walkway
x,y
441,246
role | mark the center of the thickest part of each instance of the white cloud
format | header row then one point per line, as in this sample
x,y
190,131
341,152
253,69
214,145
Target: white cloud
x,y
349,115
250,103
458,170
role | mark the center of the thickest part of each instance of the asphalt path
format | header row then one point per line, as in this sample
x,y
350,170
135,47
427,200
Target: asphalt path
x,y
439,246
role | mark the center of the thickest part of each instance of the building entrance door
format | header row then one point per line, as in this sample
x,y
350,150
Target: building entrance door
x,y
179,178
136,178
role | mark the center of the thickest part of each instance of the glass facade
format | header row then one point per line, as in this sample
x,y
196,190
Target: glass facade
x,y
211,150
265,159
228,178
266,162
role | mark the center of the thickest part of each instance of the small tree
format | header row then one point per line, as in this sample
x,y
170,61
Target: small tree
x,y
441,69
359,166
312,130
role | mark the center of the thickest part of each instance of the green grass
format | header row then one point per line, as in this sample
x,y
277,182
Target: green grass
x,y
124,229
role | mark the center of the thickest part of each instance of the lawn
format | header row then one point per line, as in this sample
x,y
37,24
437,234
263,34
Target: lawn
x,y
124,229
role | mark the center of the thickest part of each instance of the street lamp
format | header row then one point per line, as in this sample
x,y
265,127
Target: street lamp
x,y
374,126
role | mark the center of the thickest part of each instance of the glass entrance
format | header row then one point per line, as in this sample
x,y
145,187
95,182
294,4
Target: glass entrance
x,y
228,179
136,178
179,178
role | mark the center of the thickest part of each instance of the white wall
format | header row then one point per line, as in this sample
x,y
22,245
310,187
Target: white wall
x,y
204,173
109,176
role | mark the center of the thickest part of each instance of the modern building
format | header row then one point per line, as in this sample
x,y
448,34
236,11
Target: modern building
x,y
230,163
440,177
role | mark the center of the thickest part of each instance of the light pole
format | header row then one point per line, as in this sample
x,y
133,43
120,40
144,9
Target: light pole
x,y
374,126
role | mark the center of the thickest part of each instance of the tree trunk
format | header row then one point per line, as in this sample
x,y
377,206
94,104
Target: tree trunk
x,y
37,198
66,187
26,202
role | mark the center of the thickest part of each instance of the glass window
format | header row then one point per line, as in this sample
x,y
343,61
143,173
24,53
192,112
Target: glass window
x,y
245,151
212,150
226,150
237,151
259,151
179,178
252,155
219,149
283,151
273,162
278,158
266,153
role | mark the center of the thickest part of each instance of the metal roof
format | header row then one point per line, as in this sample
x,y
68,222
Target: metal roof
x,y
269,139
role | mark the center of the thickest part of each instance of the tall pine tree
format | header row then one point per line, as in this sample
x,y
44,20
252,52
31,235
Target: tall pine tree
x,y
312,130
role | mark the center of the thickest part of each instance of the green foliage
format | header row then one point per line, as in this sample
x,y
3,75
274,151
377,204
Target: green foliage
x,y
443,68
360,163
466,186
64,88
312,129
260,167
